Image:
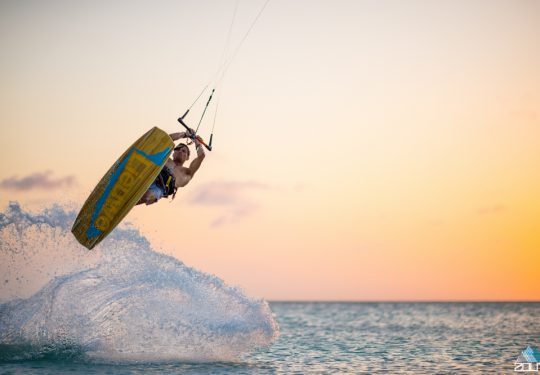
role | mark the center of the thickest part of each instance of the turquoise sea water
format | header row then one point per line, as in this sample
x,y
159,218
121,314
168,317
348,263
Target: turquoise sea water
x,y
370,338
125,308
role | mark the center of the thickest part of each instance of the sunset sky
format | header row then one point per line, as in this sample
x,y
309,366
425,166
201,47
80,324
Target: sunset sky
x,y
364,150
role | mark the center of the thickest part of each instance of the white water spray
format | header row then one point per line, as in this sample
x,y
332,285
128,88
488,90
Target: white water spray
x,y
120,302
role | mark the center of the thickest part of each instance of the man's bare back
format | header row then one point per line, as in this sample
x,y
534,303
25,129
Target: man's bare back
x,y
182,175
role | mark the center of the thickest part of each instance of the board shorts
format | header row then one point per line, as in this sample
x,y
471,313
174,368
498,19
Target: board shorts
x,y
156,191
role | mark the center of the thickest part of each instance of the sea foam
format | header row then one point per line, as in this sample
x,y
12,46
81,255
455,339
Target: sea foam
x,y
121,302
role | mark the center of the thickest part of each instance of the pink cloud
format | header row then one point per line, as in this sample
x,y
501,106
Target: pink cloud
x,y
231,196
39,180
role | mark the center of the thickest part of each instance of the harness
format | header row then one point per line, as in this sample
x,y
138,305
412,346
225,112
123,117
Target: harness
x,y
166,182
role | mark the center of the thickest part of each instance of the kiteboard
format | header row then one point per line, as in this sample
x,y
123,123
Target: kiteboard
x,y
122,187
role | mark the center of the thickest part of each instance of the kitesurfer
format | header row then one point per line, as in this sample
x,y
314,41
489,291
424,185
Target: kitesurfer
x,y
174,174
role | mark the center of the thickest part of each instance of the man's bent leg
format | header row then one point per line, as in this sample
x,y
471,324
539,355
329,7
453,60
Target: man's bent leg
x,y
152,195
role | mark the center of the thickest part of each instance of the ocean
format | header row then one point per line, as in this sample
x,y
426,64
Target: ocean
x,y
125,308
353,338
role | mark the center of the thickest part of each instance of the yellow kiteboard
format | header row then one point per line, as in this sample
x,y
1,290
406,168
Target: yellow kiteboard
x,y
122,187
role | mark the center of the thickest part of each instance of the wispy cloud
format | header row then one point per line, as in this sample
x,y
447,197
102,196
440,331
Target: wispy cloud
x,y
525,114
39,180
491,210
231,196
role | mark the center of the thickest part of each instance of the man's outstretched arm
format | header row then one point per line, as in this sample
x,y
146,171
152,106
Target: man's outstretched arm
x,y
177,136
196,163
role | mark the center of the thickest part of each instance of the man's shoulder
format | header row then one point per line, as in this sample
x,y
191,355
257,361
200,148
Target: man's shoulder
x,y
178,168
185,170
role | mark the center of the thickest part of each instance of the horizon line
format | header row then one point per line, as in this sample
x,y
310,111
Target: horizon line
x,y
399,301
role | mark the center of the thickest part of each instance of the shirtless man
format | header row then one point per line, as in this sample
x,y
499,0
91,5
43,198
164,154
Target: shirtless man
x,y
182,175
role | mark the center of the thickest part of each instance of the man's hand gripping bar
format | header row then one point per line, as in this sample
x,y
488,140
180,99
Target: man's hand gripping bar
x,y
193,135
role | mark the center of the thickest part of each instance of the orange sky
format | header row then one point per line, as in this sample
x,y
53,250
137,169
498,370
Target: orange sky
x,y
364,150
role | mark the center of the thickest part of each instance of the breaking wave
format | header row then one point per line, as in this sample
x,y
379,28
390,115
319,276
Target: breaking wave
x,y
121,302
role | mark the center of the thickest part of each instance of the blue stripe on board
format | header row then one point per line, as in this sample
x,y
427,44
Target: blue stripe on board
x,y
157,158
